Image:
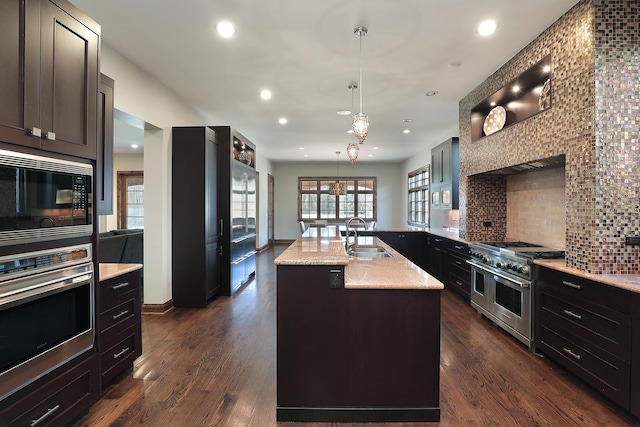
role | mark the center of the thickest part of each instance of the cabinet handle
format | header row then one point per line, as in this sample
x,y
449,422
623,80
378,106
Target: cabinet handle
x,y
459,247
572,354
572,314
37,132
458,262
124,350
51,136
46,415
221,227
571,285
458,283
120,286
437,240
117,316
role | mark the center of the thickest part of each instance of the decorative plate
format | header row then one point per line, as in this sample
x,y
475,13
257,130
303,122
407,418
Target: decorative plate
x,y
495,120
545,95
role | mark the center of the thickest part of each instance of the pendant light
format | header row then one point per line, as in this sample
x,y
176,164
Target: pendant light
x,y
360,122
352,152
337,188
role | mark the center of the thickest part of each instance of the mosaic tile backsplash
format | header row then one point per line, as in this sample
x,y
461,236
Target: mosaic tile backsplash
x,y
594,122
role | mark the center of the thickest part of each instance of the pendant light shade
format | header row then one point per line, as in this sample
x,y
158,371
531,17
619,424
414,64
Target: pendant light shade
x,y
360,122
352,151
337,188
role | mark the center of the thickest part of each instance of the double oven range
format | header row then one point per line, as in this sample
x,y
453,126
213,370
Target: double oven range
x,y
46,266
502,276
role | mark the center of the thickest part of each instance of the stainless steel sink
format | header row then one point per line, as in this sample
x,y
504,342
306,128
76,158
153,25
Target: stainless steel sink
x,y
360,251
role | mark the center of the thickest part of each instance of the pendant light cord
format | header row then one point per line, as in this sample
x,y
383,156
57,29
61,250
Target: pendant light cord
x,y
360,36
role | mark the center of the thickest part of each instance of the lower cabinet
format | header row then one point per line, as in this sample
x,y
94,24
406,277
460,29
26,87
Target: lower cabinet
x,y
120,330
457,276
588,327
60,399
411,244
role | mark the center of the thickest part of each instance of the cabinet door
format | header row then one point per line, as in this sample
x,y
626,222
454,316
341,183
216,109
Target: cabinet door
x,y
69,83
446,163
19,71
104,162
212,276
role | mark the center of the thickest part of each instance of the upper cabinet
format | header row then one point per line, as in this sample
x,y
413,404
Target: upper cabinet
x,y
445,175
104,161
49,77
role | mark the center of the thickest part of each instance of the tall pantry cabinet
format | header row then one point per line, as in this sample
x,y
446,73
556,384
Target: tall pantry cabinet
x,y
213,213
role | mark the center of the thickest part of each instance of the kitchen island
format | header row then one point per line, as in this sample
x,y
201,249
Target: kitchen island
x,y
358,337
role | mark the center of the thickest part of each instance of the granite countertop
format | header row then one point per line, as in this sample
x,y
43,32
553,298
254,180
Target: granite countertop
x,y
325,246
111,270
630,282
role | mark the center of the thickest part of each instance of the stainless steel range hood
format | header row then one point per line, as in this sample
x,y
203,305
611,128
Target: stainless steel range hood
x,y
549,162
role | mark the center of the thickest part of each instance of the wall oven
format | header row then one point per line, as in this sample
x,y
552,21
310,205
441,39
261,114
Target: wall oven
x,y
46,312
43,198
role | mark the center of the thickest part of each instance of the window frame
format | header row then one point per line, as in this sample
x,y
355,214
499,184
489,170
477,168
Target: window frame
x,y
343,179
122,194
421,205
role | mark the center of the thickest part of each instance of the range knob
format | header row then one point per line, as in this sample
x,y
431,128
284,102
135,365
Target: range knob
x,y
514,267
509,266
501,265
524,269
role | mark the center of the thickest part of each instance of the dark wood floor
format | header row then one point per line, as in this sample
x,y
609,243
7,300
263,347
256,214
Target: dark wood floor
x,y
217,367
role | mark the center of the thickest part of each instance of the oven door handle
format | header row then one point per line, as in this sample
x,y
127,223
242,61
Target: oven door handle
x,y
521,283
70,282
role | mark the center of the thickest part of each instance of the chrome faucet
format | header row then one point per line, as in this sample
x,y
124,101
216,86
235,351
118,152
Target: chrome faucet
x,y
355,232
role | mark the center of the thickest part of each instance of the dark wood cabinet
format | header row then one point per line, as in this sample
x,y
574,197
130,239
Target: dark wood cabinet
x,y
195,226
49,77
58,398
104,160
436,256
119,323
445,175
458,274
588,328
412,245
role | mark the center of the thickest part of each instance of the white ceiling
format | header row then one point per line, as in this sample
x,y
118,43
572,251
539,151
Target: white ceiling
x,y
305,52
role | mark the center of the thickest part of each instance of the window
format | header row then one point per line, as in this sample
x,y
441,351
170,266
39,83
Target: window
x,y
130,199
419,196
315,202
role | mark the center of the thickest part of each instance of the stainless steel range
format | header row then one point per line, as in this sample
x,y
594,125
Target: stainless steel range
x,y
502,278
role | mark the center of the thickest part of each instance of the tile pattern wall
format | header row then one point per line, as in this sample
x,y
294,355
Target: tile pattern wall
x,y
592,48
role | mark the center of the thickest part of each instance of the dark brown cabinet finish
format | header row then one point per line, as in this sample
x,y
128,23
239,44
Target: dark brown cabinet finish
x,y
412,245
119,323
195,226
58,398
588,328
458,274
49,77
104,160
353,355
445,175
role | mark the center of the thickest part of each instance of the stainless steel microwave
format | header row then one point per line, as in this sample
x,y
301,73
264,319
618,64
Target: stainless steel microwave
x,y
43,198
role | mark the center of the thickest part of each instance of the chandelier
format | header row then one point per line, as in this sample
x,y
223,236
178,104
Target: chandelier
x,y
352,152
360,122
337,188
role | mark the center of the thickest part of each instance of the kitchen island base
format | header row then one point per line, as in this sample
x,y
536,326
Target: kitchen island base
x,y
355,355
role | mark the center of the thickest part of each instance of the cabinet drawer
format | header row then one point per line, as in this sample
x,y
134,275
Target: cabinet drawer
x,y
58,401
573,288
607,329
120,317
121,355
611,377
117,286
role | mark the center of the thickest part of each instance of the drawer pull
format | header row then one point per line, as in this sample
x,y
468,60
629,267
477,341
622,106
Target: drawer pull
x,y
458,283
438,240
45,416
459,247
120,286
571,353
122,313
124,350
571,285
458,262
572,314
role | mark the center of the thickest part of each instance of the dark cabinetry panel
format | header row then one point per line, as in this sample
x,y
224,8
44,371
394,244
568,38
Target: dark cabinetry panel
x,y
195,225
445,175
119,323
447,262
587,327
104,160
412,245
49,77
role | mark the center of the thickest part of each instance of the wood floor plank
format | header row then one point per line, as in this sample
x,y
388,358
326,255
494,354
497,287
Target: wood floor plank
x,y
217,367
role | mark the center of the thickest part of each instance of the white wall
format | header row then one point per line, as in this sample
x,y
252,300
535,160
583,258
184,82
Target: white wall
x,y
390,183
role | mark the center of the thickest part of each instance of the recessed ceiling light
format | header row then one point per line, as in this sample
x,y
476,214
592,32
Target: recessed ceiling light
x,y
282,121
134,145
486,28
370,155
265,94
300,148
432,93
406,131
225,29
546,68
306,155
344,112
350,131
375,148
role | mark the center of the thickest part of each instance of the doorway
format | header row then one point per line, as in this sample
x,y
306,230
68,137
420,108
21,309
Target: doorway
x,y
130,199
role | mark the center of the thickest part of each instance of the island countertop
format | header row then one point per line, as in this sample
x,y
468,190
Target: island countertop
x,y
325,246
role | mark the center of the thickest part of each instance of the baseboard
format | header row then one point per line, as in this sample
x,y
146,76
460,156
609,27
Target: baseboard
x,y
263,248
157,308
284,242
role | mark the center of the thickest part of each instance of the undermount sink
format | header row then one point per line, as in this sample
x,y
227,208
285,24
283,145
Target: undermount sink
x,y
368,252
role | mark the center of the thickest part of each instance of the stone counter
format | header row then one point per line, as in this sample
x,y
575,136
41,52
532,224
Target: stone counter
x,y
630,282
325,246
110,270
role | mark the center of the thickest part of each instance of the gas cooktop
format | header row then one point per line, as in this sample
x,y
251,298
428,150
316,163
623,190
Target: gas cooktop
x,y
524,249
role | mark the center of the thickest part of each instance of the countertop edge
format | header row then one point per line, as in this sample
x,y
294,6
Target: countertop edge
x,y
110,270
630,282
